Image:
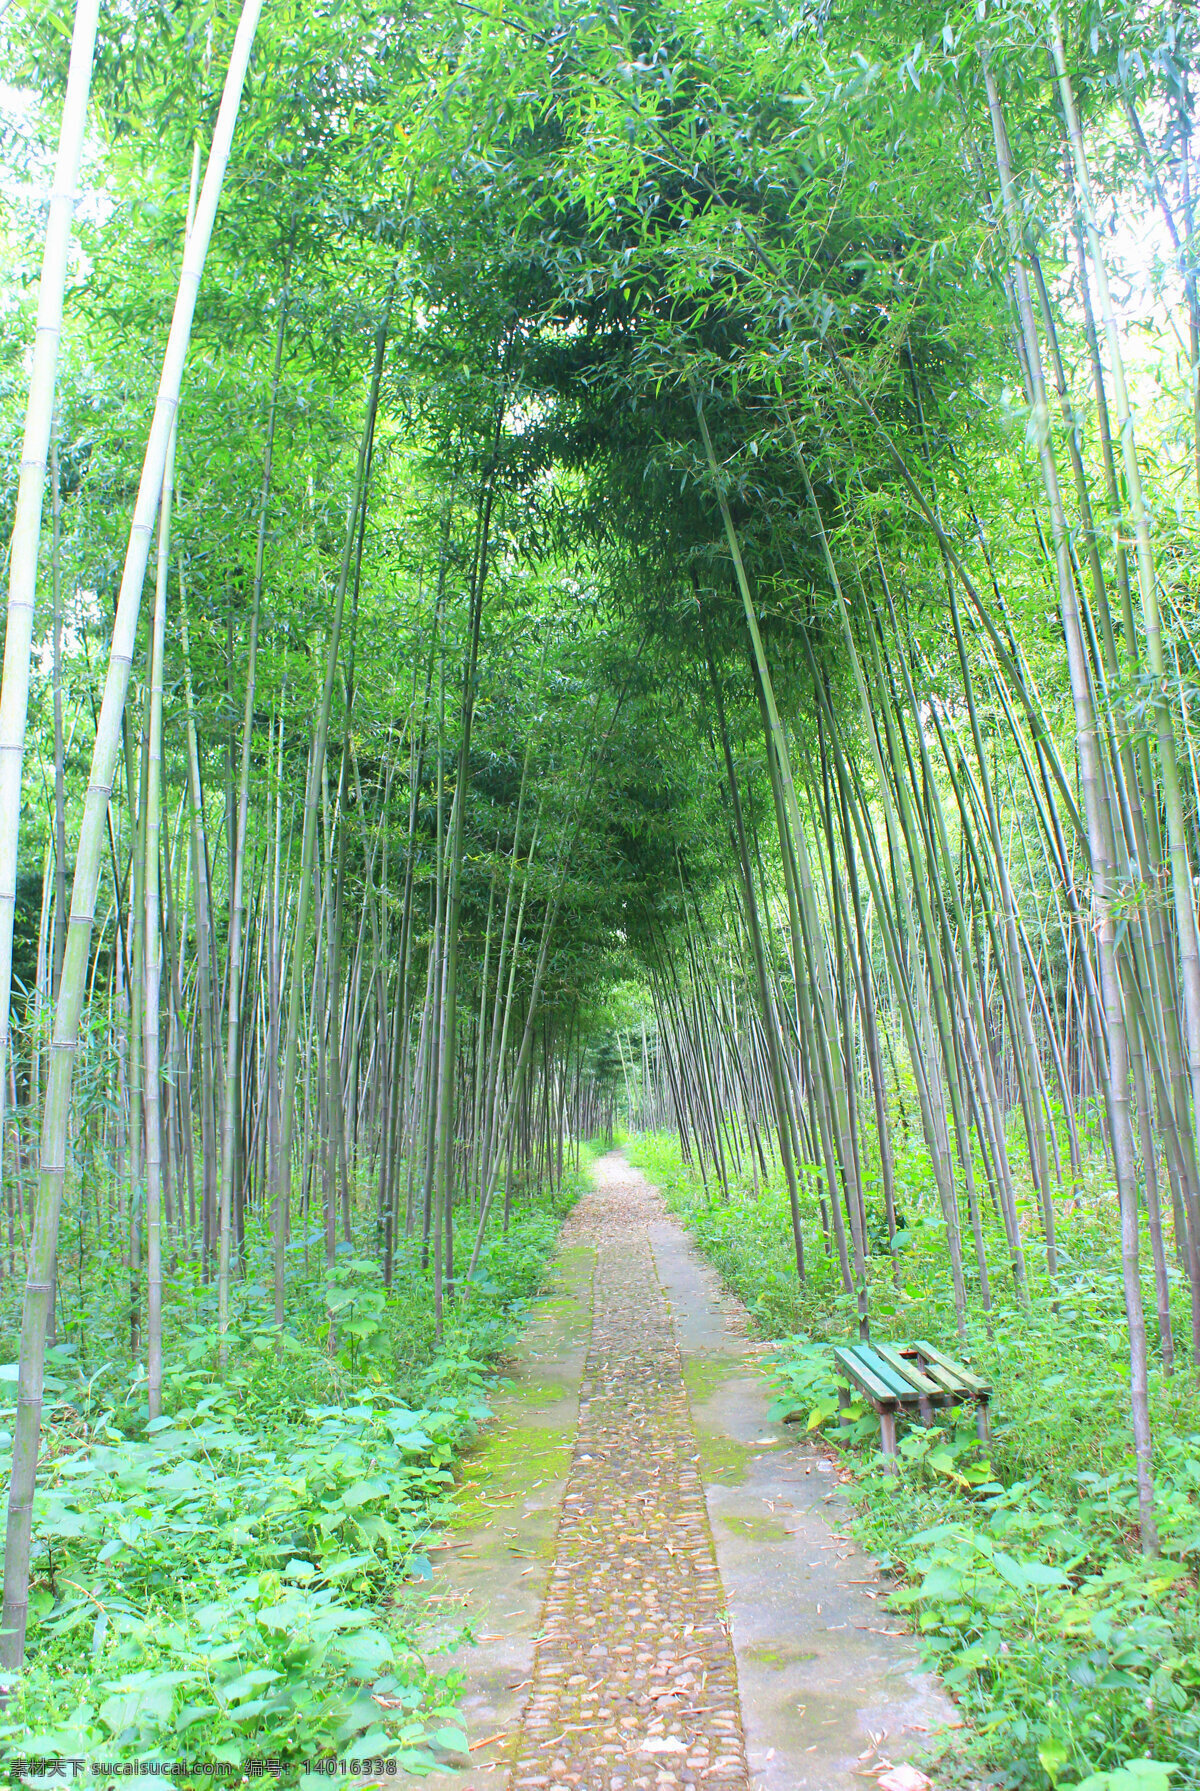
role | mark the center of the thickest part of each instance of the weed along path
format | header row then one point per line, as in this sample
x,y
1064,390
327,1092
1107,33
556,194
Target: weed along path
x,y
660,1577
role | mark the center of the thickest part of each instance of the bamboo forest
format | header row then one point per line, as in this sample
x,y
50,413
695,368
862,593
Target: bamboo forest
x,y
600,894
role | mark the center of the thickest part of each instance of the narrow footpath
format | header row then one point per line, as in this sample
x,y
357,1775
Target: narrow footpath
x,y
661,1587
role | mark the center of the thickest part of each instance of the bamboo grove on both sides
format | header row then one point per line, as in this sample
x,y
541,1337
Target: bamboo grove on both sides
x,y
310,969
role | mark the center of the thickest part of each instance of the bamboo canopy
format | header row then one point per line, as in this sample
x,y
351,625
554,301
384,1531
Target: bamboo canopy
x,y
673,611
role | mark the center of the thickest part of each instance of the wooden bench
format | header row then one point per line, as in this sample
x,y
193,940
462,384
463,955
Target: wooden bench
x,y
913,1379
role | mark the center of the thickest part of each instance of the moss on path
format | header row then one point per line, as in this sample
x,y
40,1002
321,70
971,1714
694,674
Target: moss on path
x,y
656,1573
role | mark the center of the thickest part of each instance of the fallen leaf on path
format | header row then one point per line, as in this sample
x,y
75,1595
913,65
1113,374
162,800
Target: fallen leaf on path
x,y
571,1729
904,1778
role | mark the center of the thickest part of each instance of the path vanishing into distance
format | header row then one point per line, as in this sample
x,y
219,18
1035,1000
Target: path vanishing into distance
x,y
577,572
660,1580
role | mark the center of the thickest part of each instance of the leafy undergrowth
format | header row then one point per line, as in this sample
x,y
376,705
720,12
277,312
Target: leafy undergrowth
x,y
232,1582
1075,1662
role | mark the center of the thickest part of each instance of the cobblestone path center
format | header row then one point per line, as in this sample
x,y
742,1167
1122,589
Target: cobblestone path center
x,y
634,1681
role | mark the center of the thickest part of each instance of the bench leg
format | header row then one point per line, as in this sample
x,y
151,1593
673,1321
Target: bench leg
x,y
982,1428
926,1410
843,1408
887,1426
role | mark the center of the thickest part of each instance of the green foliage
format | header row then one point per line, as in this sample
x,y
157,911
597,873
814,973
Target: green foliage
x,y
581,222
235,1578
1069,1656
1075,1661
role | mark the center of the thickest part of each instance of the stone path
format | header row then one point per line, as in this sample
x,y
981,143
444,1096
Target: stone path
x,y
634,1679
659,1579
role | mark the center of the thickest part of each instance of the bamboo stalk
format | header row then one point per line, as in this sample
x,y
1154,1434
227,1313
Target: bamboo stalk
x,y
39,1284
27,516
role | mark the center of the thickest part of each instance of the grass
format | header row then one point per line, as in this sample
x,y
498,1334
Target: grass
x,y
1074,1661
234,1580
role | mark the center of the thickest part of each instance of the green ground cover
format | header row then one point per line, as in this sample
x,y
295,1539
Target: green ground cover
x,y
235,1580
1075,1662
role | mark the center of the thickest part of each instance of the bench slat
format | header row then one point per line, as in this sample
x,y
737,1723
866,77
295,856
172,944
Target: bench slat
x,y
891,1377
968,1380
909,1370
947,1382
864,1376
